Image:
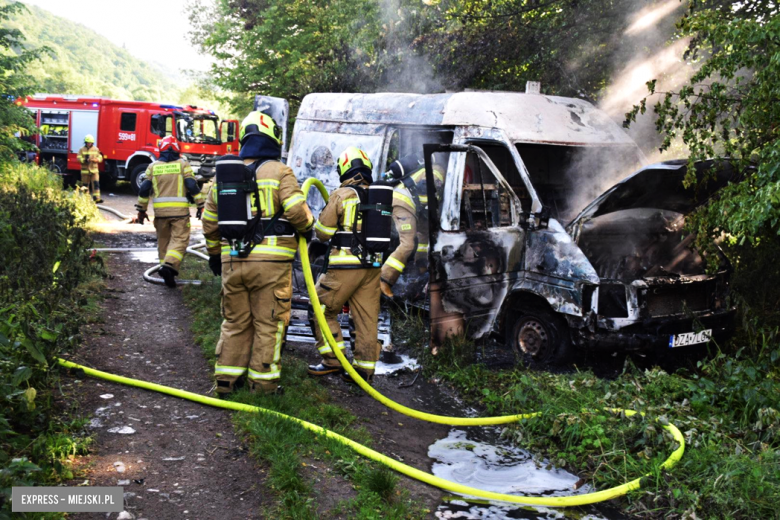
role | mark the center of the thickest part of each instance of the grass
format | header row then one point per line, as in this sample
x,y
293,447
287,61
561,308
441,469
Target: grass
x,y
296,457
727,408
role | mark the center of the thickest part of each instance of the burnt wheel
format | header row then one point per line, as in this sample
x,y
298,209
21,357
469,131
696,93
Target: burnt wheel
x,y
539,337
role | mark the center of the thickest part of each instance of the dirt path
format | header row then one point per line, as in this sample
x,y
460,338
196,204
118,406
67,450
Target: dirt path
x,y
182,460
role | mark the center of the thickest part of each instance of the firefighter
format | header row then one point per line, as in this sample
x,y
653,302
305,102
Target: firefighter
x,y
410,216
89,156
170,182
347,278
257,289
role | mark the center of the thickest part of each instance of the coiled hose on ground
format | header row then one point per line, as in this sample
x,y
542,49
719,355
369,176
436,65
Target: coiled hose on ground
x,y
566,501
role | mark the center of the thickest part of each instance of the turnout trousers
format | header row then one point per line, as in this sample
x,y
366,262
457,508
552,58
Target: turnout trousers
x,y
256,301
361,288
173,237
91,181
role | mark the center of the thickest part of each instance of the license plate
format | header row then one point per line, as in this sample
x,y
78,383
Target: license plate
x,y
689,338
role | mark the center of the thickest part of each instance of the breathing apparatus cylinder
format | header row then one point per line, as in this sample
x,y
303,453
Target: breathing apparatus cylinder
x,y
377,223
235,186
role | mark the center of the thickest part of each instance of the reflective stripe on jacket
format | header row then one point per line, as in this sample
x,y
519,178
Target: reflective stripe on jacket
x,y
338,216
89,159
279,191
169,190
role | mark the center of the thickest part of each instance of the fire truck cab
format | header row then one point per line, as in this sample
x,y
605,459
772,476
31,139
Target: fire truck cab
x,y
127,133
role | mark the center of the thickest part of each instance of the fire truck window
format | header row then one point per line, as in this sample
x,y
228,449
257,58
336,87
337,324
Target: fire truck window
x,y
127,122
485,204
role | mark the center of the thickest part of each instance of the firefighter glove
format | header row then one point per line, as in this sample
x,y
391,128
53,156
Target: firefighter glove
x,y
215,264
308,235
142,216
199,212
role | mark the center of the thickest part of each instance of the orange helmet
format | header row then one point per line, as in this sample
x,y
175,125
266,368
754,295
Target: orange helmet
x,y
169,143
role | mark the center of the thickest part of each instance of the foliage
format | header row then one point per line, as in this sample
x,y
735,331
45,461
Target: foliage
x,y
82,62
43,251
14,84
727,411
729,109
408,45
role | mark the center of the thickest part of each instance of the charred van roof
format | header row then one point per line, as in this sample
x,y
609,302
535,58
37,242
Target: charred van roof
x,y
526,118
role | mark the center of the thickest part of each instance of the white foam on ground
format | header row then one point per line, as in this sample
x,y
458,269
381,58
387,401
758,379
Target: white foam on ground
x,y
383,369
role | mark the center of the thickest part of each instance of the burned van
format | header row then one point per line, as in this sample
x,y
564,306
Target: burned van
x,y
516,247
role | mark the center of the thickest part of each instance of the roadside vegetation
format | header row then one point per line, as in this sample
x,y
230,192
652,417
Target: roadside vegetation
x,y
301,467
726,407
47,286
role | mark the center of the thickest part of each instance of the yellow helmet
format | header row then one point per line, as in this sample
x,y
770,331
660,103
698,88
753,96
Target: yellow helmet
x,y
257,123
353,159
89,139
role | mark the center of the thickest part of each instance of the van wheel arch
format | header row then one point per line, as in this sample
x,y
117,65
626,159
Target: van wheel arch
x,y
535,332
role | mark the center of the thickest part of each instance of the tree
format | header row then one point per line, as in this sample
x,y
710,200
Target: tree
x,y
731,109
15,120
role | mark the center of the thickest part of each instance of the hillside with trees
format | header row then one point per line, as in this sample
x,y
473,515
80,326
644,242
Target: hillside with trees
x,y
80,61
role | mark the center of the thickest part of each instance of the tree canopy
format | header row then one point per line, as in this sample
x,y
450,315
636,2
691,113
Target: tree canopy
x,y
15,82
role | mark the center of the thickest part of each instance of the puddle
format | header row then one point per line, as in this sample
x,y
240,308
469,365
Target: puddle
x,y
145,257
480,459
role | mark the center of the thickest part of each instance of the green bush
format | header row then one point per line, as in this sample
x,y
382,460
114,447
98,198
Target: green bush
x,y
45,264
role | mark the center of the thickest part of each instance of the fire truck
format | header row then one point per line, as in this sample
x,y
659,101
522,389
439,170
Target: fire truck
x,y
127,133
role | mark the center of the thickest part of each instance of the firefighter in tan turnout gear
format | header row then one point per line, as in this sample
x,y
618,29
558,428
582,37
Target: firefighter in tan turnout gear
x,y
410,216
347,278
254,254
170,182
89,156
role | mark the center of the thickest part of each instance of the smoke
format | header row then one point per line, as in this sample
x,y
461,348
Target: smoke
x,y
647,50
406,70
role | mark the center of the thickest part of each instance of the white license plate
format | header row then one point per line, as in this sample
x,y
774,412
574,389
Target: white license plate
x,y
689,338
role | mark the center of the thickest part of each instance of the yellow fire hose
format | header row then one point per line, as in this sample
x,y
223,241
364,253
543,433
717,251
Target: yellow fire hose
x,y
454,487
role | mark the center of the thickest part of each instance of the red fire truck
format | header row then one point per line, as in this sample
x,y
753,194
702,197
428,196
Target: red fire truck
x,y
127,133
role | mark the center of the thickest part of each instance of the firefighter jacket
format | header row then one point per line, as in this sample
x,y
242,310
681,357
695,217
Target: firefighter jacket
x,y
169,184
279,191
405,220
338,217
89,159
419,206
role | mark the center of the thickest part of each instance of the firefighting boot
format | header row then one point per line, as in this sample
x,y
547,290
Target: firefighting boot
x,y
169,275
369,378
322,369
266,389
223,389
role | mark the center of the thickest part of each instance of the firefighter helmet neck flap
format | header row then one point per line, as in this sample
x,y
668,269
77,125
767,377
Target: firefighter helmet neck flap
x,y
353,162
260,137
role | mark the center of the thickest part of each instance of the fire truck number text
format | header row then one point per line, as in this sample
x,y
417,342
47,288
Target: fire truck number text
x,y
126,137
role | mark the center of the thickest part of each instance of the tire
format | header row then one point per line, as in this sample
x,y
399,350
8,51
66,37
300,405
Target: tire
x,y
135,177
538,337
57,165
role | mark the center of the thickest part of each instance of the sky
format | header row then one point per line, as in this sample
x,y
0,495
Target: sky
x,y
152,30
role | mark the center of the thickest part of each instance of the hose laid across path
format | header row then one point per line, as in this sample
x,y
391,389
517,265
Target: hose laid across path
x,y
566,501
448,485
